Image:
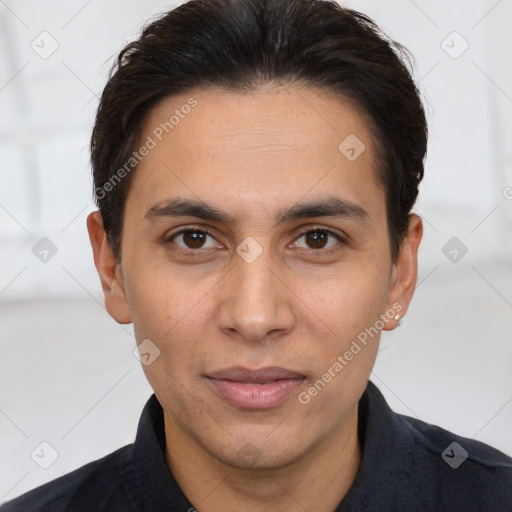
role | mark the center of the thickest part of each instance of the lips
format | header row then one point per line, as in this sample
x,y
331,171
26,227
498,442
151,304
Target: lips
x,y
240,374
255,389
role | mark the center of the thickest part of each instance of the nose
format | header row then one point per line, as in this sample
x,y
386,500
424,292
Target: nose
x,y
255,300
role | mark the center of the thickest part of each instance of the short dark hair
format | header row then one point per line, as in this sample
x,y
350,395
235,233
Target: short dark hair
x,y
238,45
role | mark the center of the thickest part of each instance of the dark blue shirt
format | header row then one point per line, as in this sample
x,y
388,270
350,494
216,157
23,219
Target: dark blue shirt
x,y
406,465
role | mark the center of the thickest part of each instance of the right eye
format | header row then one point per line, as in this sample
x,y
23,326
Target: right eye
x,y
192,239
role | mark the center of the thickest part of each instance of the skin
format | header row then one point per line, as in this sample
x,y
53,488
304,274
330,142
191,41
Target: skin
x,y
295,306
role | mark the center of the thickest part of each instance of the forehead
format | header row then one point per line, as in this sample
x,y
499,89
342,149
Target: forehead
x,y
284,117
270,146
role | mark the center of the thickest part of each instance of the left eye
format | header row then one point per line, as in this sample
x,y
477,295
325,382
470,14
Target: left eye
x,y
319,239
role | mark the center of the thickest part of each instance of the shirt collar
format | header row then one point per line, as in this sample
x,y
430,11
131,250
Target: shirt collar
x,y
386,445
158,491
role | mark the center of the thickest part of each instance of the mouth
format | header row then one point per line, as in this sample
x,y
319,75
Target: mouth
x,y
255,389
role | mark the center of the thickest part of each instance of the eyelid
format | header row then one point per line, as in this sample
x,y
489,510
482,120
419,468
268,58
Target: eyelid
x,y
326,229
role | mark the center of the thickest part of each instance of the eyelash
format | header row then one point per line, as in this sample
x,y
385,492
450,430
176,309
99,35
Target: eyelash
x,y
317,252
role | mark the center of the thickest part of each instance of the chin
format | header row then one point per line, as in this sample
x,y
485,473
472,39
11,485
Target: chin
x,y
262,455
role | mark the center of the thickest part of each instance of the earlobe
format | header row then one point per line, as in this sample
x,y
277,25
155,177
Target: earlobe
x,y
108,267
405,273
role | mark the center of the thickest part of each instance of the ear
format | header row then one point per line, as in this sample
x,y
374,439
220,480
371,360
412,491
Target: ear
x,y
404,273
109,270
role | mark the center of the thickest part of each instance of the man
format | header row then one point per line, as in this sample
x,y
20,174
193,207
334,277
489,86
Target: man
x,y
255,165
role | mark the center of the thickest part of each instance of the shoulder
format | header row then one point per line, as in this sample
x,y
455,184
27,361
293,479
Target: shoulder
x,y
95,483
460,468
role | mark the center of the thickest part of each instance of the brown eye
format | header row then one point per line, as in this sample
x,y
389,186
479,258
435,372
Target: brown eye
x,y
192,239
318,239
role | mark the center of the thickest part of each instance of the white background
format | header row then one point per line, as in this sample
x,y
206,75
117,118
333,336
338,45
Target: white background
x,y
68,374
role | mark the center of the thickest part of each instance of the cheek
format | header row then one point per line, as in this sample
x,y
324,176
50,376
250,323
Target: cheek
x,y
156,300
172,315
349,300
173,312
351,307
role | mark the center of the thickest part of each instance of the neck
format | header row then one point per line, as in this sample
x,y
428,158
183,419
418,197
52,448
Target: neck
x,y
327,470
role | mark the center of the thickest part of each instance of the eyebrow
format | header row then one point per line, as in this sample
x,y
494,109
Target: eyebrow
x,y
328,207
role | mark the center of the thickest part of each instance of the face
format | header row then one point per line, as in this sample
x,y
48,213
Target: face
x,y
255,257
